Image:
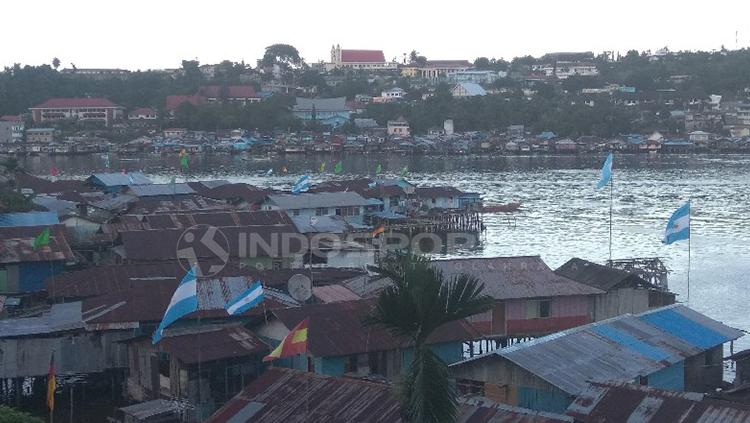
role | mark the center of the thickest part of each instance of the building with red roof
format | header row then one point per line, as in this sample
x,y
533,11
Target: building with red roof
x,y
97,109
359,59
207,94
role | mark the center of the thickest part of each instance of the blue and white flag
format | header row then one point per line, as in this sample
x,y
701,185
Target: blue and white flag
x,y
302,185
606,173
130,178
246,300
270,172
184,301
678,227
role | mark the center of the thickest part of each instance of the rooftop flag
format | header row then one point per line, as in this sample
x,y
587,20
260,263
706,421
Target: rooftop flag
x,y
42,239
51,383
184,301
678,227
246,300
606,172
269,172
302,185
294,343
338,168
404,171
377,231
379,169
322,167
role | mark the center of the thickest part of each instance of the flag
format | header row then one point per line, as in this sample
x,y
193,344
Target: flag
x,y
404,171
269,172
377,231
246,300
184,161
51,383
606,172
42,239
302,185
678,227
130,178
54,171
106,160
322,167
293,344
379,169
184,301
338,168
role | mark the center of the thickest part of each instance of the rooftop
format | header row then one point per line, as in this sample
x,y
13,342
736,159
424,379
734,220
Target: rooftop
x,y
316,200
618,349
216,344
362,56
515,277
597,275
120,179
154,190
58,103
17,245
337,104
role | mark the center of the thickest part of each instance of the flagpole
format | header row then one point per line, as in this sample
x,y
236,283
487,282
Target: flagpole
x,y
611,190
688,268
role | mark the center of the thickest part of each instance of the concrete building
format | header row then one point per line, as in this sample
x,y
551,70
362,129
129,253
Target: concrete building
x,y
79,109
11,131
349,205
435,69
474,76
370,60
398,127
143,114
328,111
467,89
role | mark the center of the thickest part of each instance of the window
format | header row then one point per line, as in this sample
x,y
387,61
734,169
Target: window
x,y
544,308
321,211
295,212
537,309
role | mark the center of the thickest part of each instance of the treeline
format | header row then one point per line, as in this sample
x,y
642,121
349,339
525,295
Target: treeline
x,y
273,113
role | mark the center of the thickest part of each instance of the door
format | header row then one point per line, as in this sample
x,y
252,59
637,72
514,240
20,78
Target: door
x,y
498,319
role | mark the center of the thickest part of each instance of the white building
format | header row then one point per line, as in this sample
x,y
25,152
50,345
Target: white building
x,y
564,70
475,76
349,205
143,113
399,127
80,109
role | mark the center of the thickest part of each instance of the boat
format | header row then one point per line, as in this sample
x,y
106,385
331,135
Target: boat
x,y
501,208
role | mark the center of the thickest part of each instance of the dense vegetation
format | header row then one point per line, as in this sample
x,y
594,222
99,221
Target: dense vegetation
x,y
556,106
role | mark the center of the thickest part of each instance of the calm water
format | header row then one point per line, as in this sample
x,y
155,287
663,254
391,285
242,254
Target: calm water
x,y
563,215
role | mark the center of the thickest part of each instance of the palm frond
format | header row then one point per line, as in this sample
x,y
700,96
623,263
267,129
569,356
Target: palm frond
x,y
428,395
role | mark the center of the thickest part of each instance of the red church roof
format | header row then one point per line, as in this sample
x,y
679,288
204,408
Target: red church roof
x,y
233,91
362,56
60,103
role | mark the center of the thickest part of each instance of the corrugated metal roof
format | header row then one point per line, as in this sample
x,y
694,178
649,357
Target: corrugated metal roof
x,y
120,179
59,318
316,200
284,395
597,275
618,349
334,294
154,190
29,219
337,104
144,410
626,403
213,344
320,224
515,277
484,410
17,245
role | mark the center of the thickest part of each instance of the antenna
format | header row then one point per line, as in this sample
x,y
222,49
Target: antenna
x,y
300,287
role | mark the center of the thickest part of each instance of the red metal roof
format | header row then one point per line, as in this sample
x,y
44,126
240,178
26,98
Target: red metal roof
x,y
334,294
10,118
336,329
213,344
59,103
174,101
362,56
16,245
232,91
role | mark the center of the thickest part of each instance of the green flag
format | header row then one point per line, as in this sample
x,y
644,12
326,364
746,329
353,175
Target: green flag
x,y
42,239
185,161
404,171
338,168
322,167
379,169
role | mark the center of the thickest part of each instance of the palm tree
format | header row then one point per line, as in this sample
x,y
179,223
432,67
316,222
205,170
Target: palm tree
x,y
421,300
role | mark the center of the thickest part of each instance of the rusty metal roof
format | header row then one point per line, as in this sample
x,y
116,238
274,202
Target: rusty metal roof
x,y
599,276
17,245
184,204
334,294
618,349
625,403
336,329
515,277
485,410
59,318
213,344
286,396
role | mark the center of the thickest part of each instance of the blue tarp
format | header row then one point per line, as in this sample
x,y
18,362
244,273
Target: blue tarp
x,y
28,219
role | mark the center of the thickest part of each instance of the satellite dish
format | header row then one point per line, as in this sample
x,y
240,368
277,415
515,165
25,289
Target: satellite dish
x,y
300,287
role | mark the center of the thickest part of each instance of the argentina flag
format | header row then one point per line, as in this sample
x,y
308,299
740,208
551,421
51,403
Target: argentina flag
x,y
302,185
678,227
606,172
184,301
246,300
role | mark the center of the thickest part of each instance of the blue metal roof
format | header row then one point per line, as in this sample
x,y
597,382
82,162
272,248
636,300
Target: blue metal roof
x,y
28,219
618,349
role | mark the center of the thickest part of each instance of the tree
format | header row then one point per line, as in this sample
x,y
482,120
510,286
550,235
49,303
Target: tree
x,y
11,415
482,63
55,63
416,59
284,55
421,300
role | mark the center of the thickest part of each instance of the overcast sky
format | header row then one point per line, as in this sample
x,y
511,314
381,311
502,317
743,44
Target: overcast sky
x,y
151,34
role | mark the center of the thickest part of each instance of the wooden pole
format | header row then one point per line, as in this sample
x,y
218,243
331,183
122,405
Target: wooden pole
x,y
688,267
611,190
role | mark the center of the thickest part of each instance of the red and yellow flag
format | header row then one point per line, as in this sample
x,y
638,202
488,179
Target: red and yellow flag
x,y
51,383
293,344
377,231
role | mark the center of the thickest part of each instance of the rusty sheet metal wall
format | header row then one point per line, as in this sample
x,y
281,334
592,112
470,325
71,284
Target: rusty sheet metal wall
x,y
74,353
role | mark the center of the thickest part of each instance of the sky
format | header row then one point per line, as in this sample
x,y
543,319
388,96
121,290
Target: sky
x,y
155,34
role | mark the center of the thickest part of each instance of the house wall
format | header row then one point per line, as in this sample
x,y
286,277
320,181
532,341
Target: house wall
x,y
565,312
704,372
620,301
9,278
672,377
440,202
31,275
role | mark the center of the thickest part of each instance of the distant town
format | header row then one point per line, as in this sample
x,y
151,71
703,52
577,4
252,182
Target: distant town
x,y
361,101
